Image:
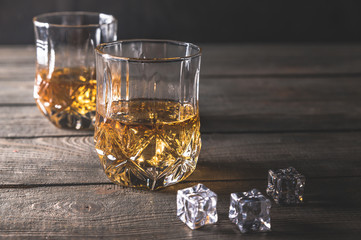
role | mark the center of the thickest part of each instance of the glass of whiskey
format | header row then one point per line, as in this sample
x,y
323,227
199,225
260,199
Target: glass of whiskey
x,y
65,80
147,129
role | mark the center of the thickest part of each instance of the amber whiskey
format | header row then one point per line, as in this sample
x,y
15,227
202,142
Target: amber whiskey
x,y
66,96
148,143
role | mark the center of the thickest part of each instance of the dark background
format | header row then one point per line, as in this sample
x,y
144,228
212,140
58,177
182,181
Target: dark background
x,y
201,21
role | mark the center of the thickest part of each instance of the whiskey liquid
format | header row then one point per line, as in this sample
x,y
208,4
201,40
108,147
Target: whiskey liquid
x,y
67,96
148,143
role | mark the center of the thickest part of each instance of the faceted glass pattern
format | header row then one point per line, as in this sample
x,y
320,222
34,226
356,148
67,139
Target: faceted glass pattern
x,y
197,206
147,127
250,211
286,186
65,81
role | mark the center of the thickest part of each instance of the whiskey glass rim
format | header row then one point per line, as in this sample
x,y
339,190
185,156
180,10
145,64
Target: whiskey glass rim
x,y
100,51
40,21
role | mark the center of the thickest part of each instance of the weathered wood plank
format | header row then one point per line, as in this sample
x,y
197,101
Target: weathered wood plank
x,y
232,59
279,59
17,63
111,211
55,187
228,92
16,92
223,157
17,72
280,104
226,105
27,121
17,54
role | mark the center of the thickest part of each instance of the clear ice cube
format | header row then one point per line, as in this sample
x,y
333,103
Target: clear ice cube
x,y
286,186
250,211
197,206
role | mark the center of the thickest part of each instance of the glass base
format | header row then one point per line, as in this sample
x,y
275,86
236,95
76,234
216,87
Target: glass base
x,y
129,174
68,118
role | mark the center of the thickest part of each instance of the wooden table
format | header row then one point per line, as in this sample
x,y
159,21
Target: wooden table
x,y
262,107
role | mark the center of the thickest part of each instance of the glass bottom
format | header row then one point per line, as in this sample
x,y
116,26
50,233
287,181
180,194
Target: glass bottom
x,y
148,143
129,174
66,96
68,118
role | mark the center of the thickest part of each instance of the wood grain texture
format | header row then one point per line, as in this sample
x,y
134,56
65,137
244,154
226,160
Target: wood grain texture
x,y
16,93
67,160
17,54
111,211
27,121
17,72
229,60
280,104
280,59
17,63
262,107
226,105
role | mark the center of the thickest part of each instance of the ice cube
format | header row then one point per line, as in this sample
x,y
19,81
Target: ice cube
x,y
286,186
197,206
250,211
